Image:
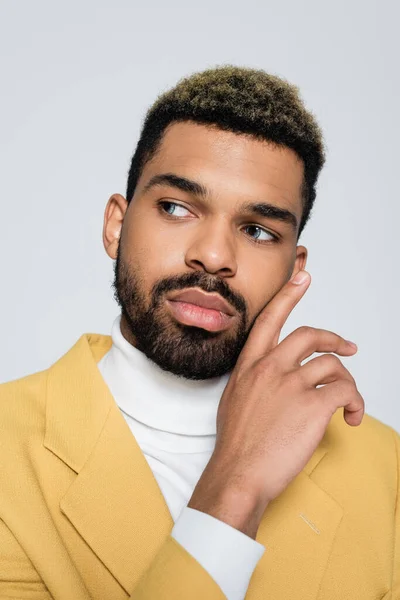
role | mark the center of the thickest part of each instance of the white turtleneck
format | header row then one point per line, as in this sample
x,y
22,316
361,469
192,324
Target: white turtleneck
x,y
174,422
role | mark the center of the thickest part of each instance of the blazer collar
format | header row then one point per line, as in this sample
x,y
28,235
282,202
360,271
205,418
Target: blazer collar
x,y
116,505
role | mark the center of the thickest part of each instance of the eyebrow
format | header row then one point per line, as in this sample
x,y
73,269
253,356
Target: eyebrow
x,y
260,209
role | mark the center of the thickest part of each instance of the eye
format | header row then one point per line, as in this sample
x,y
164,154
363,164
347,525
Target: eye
x,y
174,210
166,206
261,231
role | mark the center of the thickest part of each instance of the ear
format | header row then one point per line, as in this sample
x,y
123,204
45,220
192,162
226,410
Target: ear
x,y
301,260
113,218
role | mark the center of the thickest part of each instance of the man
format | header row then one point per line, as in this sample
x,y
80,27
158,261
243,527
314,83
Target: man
x,y
191,454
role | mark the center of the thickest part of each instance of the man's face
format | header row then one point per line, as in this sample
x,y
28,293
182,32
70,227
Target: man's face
x,y
177,236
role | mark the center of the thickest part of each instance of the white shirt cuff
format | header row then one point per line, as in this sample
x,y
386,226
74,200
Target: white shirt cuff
x,y
228,555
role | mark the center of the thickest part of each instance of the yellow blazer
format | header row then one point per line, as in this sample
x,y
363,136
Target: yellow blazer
x,y
83,518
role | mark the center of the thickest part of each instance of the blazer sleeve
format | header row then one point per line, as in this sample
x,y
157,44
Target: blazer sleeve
x,y
175,573
396,554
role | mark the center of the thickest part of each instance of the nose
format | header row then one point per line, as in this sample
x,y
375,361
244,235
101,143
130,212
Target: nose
x,y
212,248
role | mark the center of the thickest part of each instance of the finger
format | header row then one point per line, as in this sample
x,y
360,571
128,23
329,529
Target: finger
x,y
266,330
304,341
342,394
324,369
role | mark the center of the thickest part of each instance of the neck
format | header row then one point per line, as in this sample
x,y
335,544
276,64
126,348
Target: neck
x,y
158,398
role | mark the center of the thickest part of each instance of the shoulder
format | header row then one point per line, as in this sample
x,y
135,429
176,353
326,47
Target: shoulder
x,y
372,435
23,424
22,402
369,452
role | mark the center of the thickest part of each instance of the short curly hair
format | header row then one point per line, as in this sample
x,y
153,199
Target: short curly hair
x,y
242,100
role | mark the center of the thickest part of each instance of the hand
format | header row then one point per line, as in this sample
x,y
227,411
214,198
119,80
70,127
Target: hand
x,y
271,416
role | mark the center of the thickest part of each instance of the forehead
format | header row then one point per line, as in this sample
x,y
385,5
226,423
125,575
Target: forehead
x,y
230,163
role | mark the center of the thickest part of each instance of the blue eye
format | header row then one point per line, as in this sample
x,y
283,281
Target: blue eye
x,y
263,231
167,207
173,204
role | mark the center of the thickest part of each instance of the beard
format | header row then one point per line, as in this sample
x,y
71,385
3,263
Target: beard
x,y
186,351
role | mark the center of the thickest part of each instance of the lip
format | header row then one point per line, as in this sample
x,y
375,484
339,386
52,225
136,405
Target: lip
x,y
204,300
198,316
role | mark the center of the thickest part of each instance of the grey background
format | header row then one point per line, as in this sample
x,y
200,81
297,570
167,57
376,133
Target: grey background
x,y
76,79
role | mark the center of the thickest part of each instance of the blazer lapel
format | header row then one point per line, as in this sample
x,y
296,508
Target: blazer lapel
x,y
116,505
115,502
298,529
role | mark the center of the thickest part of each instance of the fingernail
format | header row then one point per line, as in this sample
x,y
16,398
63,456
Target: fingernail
x,y
352,344
300,278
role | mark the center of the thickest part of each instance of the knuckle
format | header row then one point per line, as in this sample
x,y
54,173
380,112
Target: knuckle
x,y
268,367
361,401
269,363
259,371
306,331
345,387
335,365
331,361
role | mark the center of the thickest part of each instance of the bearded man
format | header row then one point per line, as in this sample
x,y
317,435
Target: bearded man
x,y
191,454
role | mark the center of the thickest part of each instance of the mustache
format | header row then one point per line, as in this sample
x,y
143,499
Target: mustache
x,y
202,281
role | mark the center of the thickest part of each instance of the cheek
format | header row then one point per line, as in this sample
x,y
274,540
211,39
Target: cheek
x,y
262,279
152,252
